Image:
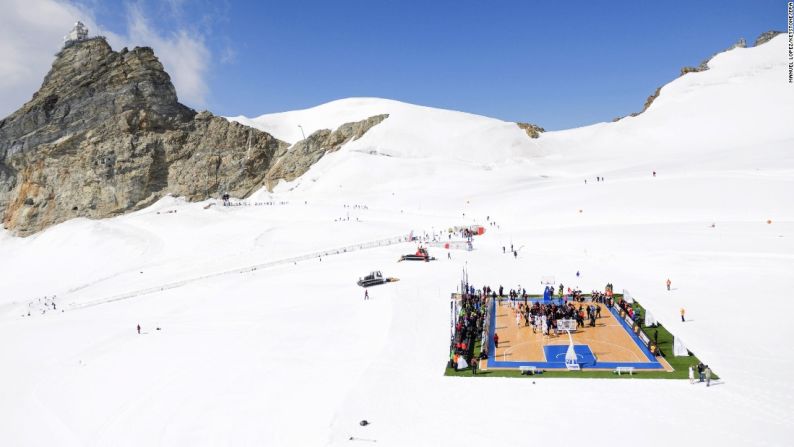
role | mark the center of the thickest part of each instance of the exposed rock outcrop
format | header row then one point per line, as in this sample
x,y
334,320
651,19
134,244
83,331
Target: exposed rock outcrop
x,y
532,130
301,156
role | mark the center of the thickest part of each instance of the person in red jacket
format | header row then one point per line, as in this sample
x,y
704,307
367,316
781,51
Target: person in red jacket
x,y
496,340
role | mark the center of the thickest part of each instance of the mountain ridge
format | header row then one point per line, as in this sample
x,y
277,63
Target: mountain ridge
x,y
105,135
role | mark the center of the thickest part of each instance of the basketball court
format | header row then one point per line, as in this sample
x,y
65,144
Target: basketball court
x,y
608,345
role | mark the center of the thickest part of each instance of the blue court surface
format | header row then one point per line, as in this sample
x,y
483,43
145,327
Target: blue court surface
x,y
555,354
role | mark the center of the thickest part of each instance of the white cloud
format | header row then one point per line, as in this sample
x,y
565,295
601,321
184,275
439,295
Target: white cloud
x,y
183,54
31,32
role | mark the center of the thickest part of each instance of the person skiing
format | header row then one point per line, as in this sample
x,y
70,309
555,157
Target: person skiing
x,y
366,294
139,329
668,283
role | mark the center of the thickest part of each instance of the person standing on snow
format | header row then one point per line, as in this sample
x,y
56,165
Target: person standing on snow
x,y
668,283
708,375
366,294
682,315
691,375
139,329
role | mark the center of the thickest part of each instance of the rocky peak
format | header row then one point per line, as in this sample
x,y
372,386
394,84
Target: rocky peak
x,y
105,134
88,84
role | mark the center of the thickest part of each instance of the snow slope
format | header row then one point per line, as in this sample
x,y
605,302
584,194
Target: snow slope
x,y
292,355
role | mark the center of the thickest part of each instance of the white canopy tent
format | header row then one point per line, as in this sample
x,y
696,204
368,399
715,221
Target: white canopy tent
x,y
679,350
650,320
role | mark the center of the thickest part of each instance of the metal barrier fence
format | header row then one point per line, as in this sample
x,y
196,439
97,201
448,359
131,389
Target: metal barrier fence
x,y
247,269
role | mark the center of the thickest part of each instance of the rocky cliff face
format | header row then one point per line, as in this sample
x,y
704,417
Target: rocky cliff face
x,y
105,135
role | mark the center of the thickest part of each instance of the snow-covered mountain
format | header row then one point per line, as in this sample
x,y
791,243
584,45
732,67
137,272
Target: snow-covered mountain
x,y
289,354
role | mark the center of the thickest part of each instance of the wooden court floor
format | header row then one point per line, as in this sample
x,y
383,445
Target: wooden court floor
x,y
608,340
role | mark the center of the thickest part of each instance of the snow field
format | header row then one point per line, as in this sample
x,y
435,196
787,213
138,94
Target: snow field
x,y
292,355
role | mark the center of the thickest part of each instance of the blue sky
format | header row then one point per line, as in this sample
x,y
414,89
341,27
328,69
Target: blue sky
x,y
557,64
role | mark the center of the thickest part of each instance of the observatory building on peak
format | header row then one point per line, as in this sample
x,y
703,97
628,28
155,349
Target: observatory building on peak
x,y
78,33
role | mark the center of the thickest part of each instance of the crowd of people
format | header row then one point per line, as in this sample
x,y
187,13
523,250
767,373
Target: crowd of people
x,y
703,371
548,318
469,325
356,207
42,305
227,201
